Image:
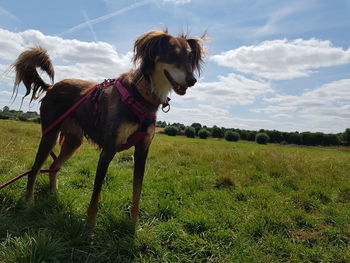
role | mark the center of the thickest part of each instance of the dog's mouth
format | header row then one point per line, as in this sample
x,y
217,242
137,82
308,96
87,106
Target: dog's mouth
x,y
179,89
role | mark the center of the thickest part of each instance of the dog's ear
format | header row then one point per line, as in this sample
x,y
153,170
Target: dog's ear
x,y
197,51
147,47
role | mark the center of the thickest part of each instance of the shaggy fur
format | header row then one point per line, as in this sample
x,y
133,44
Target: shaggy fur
x,y
164,62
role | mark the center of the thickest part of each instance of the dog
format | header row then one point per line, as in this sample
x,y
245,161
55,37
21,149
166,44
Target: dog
x,y
164,63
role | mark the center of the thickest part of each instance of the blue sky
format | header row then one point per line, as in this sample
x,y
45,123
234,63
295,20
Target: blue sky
x,y
270,64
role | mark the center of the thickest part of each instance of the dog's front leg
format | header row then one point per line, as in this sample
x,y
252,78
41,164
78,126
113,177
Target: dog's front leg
x,y
140,156
106,157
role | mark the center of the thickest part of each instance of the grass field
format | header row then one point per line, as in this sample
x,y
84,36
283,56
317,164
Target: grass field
x,y
202,201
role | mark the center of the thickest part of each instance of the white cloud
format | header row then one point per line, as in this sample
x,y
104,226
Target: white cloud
x,y
326,108
210,103
229,90
283,59
71,58
334,93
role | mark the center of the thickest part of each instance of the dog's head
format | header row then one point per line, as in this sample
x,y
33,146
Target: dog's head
x,y
169,62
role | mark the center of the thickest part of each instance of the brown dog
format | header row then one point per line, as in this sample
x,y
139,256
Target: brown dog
x,y
164,62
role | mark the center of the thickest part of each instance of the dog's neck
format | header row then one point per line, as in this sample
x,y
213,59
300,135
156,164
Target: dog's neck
x,y
145,89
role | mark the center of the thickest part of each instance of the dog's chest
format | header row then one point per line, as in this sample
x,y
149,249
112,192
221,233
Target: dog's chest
x,y
124,131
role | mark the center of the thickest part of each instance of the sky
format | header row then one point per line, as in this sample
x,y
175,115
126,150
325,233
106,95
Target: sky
x,y
269,64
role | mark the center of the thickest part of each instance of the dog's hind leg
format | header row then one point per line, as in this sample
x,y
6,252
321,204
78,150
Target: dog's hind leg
x,y
106,157
70,143
47,142
70,139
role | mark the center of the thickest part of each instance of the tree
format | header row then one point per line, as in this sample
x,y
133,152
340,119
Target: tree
x,y
294,138
6,109
330,139
251,135
307,138
318,138
232,136
275,136
4,116
203,133
161,124
261,138
216,132
171,130
190,132
197,126
243,135
22,118
346,136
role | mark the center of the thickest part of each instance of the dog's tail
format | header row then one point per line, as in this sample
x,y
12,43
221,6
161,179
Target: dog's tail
x,y
25,67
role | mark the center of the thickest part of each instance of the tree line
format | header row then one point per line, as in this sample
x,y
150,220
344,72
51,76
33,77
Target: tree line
x,y
262,136
230,134
7,114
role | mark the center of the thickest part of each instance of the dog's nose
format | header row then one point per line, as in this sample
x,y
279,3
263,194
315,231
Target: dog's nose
x,y
191,81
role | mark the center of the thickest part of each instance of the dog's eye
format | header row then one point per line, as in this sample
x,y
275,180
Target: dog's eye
x,y
171,53
191,55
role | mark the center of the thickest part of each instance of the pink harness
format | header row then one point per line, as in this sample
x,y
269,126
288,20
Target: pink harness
x,y
144,120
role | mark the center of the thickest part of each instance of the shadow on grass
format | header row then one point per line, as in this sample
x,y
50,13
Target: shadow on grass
x,y
50,230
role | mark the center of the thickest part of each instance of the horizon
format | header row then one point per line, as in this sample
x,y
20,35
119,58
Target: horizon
x,y
190,125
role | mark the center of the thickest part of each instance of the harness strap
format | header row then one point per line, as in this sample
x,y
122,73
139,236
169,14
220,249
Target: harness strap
x,y
133,140
129,100
144,117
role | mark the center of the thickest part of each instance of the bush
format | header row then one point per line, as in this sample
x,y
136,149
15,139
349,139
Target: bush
x,y
294,138
217,132
261,138
190,132
232,136
3,116
251,135
330,139
307,138
22,118
37,120
243,135
275,136
197,126
203,133
171,130
346,136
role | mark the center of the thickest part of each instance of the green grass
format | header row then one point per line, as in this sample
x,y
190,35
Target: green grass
x,y
202,201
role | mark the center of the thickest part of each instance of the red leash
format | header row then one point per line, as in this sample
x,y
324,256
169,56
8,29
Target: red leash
x,y
47,130
69,111
53,155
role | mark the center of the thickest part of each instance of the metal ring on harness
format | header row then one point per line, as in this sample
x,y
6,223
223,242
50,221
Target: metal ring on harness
x,y
166,108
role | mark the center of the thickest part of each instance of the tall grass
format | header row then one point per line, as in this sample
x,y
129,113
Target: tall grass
x,y
202,201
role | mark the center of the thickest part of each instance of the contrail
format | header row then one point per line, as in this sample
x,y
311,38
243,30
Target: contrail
x,y
105,17
7,13
89,25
